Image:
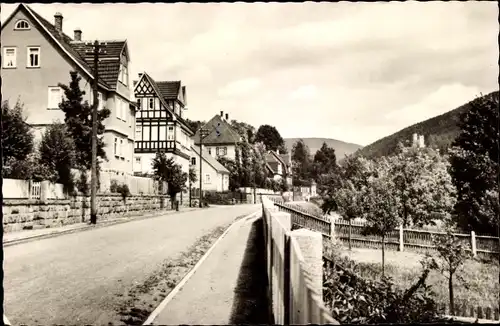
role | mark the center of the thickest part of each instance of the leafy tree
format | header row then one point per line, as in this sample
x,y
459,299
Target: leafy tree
x,y
78,119
232,166
380,205
166,170
259,165
27,169
325,161
475,166
301,164
195,124
423,185
17,137
192,175
452,254
270,136
244,130
246,161
348,199
57,152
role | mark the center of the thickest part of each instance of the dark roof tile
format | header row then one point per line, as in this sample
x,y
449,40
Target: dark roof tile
x,y
227,133
169,89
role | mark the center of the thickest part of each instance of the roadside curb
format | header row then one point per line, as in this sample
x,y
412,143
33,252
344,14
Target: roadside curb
x,y
186,278
90,227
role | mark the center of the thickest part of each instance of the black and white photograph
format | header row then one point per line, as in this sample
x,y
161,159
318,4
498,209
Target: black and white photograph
x,y
252,163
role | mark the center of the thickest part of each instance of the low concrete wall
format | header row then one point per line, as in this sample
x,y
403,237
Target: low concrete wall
x,y
22,214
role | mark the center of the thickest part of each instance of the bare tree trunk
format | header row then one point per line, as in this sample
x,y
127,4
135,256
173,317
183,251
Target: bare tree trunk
x,y
450,289
383,255
349,234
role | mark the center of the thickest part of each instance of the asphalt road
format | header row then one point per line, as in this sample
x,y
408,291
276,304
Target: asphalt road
x,y
75,278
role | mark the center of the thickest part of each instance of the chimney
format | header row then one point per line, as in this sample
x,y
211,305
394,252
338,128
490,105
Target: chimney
x,y
78,34
222,114
278,151
415,140
140,75
421,142
227,117
58,20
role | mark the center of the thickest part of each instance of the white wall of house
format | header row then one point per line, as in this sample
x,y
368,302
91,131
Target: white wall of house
x,y
212,179
230,151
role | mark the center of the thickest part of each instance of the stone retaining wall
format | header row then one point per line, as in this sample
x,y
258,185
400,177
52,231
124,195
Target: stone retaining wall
x,y
22,214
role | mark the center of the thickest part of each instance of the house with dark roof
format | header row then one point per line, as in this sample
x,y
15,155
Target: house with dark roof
x,y
222,138
37,55
160,125
279,165
215,175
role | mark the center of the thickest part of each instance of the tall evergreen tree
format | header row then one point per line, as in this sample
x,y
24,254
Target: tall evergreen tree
x,y
78,119
17,137
475,166
301,164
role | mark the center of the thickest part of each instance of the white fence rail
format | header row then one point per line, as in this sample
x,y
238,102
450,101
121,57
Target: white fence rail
x,y
294,269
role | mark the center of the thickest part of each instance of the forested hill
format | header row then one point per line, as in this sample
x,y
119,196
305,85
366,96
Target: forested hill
x,y
314,144
439,132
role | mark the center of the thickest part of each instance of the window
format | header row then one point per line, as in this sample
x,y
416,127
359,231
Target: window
x,y
154,133
123,73
224,150
163,133
139,103
209,151
121,148
207,178
151,103
22,24
10,57
216,150
138,132
33,57
100,98
138,160
170,133
55,97
145,133
116,147
193,160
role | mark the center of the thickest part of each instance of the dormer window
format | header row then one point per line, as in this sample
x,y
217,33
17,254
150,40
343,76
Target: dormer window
x,y
22,24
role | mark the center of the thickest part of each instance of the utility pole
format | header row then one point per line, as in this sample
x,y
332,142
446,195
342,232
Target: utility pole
x,y
96,50
203,134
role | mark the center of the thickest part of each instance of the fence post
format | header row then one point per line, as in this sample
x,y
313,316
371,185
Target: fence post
x,y
401,238
473,243
311,246
44,190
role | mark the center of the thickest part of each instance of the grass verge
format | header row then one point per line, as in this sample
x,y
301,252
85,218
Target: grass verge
x,y
140,301
404,268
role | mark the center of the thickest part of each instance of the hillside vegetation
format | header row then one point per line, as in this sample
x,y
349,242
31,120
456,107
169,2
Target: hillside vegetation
x,y
314,144
439,133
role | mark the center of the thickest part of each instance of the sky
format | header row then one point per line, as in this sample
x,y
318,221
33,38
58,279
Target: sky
x,y
355,72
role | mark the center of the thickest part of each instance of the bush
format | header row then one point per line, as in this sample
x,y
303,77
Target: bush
x,y
355,300
124,191
218,198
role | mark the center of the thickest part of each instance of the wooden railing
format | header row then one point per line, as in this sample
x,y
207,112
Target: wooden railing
x,y
294,269
142,146
304,219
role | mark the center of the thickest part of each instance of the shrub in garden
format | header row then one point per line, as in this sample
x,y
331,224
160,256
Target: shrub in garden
x,y
355,300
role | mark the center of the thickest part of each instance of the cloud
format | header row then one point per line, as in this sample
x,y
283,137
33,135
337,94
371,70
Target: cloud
x,y
363,70
240,87
306,92
444,99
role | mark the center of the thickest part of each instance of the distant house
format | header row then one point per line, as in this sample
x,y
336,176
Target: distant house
x,y
37,55
215,175
222,138
278,165
160,126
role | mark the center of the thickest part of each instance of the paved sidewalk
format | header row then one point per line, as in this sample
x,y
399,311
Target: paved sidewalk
x,y
11,238
229,286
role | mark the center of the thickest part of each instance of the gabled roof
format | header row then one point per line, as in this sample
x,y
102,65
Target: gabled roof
x,y
210,160
227,133
108,68
156,89
169,89
273,159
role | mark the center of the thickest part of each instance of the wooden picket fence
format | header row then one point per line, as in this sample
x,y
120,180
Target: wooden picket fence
x,y
412,240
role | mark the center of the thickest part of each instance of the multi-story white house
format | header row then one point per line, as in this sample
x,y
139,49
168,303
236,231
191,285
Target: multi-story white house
x,y
37,55
160,125
215,176
222,138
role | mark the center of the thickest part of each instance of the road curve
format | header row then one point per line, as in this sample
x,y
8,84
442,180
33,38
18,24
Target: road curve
x,y
75,278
